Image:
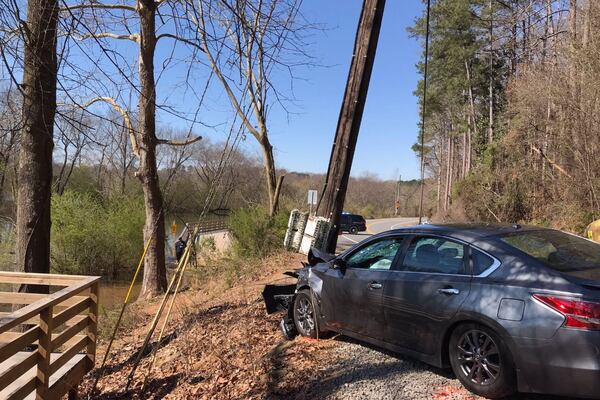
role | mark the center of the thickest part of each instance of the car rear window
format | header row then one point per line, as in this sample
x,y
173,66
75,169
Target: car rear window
x,y
562,252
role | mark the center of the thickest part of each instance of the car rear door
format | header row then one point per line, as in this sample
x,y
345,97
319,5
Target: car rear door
x,y
424,291
354,294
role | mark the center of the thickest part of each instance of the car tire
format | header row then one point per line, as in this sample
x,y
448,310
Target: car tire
x,y
481,361
353,230
305,314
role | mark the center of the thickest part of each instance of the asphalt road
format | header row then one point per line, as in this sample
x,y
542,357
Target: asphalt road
x,y
374,226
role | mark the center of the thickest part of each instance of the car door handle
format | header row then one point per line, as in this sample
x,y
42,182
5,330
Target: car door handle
x,y
375,285
449,291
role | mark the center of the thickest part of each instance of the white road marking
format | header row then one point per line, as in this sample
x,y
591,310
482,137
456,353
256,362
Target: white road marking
x,y
347,238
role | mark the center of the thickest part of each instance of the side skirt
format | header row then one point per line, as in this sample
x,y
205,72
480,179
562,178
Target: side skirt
x,y
433,360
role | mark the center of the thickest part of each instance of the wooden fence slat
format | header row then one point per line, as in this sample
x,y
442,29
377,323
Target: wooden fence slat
x,y
17,370
75,374
29,298
66,355
61,338
26,338
48,279
72,311
24,390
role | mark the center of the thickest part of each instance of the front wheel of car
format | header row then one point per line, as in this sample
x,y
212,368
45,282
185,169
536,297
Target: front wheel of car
x,y
481,361
305,315
353,230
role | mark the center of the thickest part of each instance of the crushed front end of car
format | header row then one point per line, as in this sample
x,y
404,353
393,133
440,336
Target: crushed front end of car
x,y
280,297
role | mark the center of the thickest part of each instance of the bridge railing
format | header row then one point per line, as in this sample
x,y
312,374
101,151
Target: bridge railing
x,y
49,344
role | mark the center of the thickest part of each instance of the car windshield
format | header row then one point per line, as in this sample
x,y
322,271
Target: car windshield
x,y
559,251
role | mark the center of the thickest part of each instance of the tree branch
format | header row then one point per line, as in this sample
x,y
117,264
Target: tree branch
x,y
134,37
99,6
180,39
172,142
552,163
134,144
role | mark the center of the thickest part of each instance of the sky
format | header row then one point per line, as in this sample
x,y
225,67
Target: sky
x,y
390,121
302,139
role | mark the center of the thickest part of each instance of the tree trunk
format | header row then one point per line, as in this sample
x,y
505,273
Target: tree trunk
x,y
491,93
155,277
448,173
270,173
573,21
35,157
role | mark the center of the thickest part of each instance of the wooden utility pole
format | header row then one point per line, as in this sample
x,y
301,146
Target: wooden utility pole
x,y
334,191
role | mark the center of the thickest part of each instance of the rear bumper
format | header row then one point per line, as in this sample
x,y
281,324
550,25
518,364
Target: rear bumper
x,y
566,365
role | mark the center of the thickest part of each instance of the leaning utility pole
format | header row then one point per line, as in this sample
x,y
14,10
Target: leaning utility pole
x,y
357,86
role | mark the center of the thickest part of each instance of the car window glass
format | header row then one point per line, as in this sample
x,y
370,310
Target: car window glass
x,y
434,255
481,261
562,252
378,255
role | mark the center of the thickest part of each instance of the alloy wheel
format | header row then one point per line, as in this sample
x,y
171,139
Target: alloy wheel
x,y
304,315
478,357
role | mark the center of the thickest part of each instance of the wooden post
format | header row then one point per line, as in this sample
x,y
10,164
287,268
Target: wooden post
x,y
93,327
334,191
45,351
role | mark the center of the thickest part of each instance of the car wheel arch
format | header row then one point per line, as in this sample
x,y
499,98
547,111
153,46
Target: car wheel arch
x,y
488,323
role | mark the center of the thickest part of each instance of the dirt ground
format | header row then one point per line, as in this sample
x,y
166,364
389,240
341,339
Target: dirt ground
x,y
221,344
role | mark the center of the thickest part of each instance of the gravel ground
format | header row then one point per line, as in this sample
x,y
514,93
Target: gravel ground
x,y
362,372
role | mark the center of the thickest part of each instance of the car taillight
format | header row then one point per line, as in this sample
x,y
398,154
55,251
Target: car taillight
x,y
578,313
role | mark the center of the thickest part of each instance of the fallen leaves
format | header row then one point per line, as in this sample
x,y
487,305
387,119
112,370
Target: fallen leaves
x,y
226,349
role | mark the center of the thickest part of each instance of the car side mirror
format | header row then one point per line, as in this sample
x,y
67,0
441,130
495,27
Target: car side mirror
x,y
339,264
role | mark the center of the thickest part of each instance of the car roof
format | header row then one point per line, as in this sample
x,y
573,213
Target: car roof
x,y
468,232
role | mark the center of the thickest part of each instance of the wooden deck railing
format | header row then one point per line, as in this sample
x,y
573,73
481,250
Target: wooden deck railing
x,y
48,345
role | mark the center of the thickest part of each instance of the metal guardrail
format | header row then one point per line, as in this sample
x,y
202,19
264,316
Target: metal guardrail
x,y
47,346
213,224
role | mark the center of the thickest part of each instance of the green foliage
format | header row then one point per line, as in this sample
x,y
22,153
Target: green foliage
x,y
92,235
254,233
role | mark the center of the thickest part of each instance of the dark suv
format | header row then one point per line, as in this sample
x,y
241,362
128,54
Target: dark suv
x,y
352,223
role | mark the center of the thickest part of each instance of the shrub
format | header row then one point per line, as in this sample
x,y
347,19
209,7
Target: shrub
x,y
93,235
254,233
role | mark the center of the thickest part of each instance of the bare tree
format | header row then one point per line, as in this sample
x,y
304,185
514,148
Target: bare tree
x,y
246,43
144,140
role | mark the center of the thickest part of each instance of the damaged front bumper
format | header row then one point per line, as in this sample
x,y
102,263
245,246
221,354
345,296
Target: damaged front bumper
x,y
281,298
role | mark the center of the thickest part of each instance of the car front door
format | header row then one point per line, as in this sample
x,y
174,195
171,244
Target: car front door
x,y
424,291
353,293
